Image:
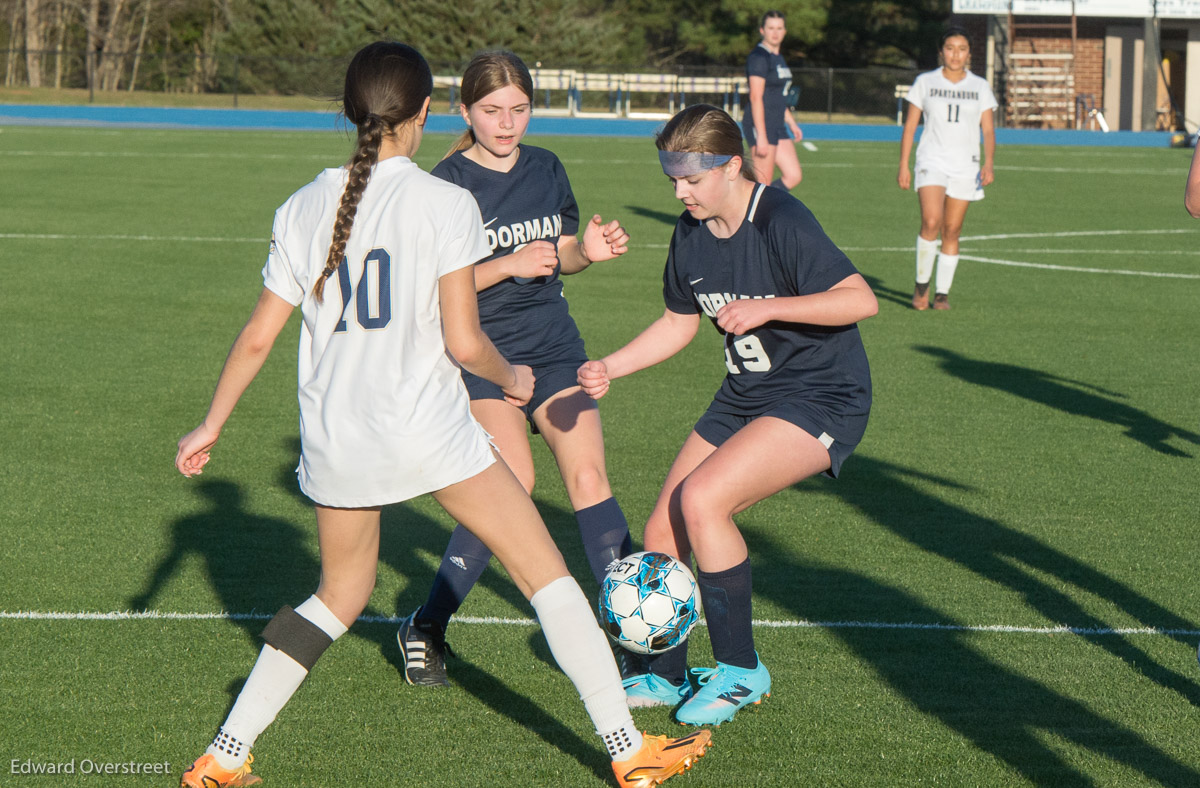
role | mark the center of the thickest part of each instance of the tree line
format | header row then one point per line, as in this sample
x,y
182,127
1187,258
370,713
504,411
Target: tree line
x,y
281,45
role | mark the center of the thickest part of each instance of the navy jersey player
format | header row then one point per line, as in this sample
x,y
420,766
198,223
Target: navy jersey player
x,y
384,416
957,106
531,221
768,120
794,402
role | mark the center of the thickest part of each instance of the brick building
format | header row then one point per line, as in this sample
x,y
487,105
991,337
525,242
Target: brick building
x,y
1052,62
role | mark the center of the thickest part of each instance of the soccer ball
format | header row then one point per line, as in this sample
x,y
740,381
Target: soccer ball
x,y
649,602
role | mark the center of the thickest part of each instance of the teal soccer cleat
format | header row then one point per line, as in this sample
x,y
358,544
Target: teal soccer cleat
x,y
723,691
649,689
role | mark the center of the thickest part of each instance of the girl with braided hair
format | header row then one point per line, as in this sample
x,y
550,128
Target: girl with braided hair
x,y
379,257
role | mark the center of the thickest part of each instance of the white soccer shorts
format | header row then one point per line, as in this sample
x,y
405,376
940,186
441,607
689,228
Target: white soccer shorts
x,y
957,187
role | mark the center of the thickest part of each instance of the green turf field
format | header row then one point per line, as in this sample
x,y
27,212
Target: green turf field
x,y
1000,590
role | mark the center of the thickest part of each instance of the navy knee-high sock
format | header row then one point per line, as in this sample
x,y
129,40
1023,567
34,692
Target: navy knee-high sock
x,y
462,565
605,535
778,184
670,665
726,598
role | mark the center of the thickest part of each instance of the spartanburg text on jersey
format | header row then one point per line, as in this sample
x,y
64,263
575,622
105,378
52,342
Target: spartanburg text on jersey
x,y
951,112
526,318
778,251
384,416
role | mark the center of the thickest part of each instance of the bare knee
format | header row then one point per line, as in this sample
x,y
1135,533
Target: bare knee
x,y
346,599
587,486
699,507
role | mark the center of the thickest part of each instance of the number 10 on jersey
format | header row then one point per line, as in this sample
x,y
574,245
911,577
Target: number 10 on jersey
x,y
370,315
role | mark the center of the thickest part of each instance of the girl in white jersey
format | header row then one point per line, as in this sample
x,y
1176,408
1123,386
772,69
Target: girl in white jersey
x,y
384,416
957,105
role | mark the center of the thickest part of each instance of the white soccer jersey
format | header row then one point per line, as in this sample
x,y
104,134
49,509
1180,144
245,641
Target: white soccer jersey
x,y
950,141
384,416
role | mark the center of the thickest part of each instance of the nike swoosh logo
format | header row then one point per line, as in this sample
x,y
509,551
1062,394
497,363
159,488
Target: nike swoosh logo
x,y
491,222
690,281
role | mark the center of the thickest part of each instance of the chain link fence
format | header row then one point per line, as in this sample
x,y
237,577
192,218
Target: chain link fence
x,y
825,95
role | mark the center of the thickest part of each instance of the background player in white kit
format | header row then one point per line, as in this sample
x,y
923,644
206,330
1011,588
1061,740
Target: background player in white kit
x,y
949,177
384,415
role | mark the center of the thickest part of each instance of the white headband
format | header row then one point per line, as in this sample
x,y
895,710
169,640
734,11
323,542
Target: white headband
x,y
680,164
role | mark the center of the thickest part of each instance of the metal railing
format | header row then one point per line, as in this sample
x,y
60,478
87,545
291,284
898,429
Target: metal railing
x,y
827,94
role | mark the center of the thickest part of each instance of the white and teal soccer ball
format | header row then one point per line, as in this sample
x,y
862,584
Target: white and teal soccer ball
x,y
649,602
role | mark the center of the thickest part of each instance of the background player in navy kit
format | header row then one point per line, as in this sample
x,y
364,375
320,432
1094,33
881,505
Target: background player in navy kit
x,y
391,353
531,219
768,118
793,404
956,105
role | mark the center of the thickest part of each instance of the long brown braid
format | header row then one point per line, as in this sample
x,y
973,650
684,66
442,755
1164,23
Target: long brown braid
x,y
386,86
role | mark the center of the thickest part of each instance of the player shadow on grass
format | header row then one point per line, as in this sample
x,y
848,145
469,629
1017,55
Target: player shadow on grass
x,y
942,673
260,564
1069,396
464,674
887,494
519,709
254,564
669,219
901,297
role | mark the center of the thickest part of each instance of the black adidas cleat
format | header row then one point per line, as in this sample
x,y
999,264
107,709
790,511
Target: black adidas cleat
x,y
424,648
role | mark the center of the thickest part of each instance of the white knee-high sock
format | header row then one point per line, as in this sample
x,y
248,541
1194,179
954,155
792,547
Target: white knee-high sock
x,y
946,265
926,254
274,680
583,653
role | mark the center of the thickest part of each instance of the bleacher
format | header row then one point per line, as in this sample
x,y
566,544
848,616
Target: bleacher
x,y
629,95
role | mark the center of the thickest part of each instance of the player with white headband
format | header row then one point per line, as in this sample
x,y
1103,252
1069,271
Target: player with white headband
x,y
794,402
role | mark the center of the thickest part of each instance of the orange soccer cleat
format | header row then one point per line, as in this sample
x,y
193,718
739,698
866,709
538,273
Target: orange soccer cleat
x,y
207,773
661,758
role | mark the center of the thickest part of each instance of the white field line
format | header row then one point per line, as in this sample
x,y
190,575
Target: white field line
x,y
153,238
989,260
1074,234
1061,629
1096,170
574,162
128,154
1077,269
1129,252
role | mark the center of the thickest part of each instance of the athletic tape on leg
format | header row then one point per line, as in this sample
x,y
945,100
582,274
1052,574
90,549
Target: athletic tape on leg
x,y
296,636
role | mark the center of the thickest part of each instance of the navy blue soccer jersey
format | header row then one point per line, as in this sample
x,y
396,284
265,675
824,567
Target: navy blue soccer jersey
x,y
526,318
778,251
771,67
